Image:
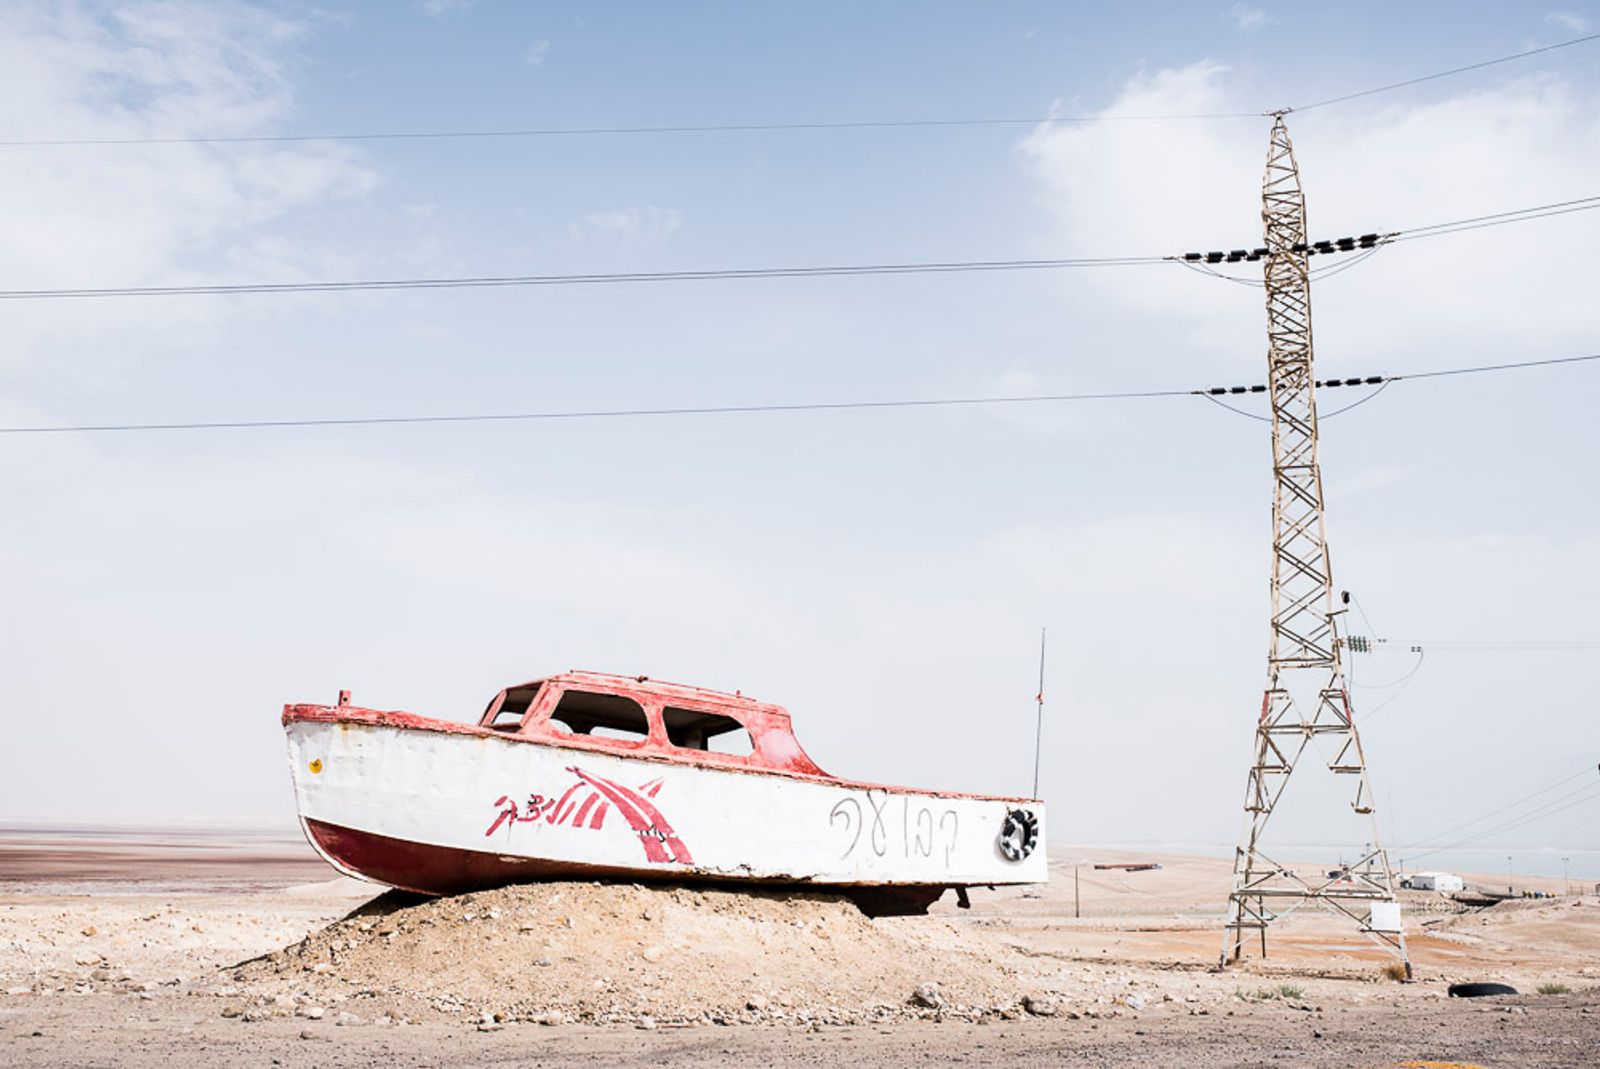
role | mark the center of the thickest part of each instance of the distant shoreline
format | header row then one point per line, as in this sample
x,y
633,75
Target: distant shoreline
x,y
194,858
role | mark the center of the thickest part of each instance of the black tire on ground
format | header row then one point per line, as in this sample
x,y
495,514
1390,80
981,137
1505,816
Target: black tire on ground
x,y
1480,990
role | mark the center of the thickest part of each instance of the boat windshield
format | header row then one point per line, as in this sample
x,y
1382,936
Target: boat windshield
x,y
605,716
509,716
693,729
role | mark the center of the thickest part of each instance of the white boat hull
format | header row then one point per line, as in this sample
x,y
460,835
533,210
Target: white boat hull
x,y
439,812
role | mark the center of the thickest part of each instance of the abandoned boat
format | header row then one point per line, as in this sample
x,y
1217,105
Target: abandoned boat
x,y
590,775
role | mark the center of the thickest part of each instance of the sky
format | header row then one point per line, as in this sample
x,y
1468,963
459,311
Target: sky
x,y
884,574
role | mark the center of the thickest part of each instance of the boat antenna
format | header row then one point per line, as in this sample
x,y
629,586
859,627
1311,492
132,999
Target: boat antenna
x,y
1038,727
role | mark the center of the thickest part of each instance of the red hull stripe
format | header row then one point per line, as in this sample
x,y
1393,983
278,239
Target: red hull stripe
x,y
655,833
556,815
636,819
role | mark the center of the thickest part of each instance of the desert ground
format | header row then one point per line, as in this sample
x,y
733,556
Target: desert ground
x,y
155,950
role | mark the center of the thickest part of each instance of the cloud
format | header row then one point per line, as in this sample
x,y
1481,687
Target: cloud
x,y
1246,18
1161,188
646,225
1569,20
436,9
152,214
534,56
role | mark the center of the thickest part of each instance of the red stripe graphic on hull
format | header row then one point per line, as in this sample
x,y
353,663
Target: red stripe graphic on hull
x,y
642,815
656,836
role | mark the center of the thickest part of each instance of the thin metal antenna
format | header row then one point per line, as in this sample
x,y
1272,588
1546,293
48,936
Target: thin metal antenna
x,y
1038,727
1305,642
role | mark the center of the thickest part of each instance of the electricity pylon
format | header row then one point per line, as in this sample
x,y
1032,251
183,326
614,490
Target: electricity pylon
x,y
1305,643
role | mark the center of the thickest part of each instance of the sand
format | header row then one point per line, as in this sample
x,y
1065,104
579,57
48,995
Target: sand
x,y
133,953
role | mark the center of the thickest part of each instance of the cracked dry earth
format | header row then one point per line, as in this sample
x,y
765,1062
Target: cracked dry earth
x,y
263,971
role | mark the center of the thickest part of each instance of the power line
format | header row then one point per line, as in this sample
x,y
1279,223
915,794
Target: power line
x,y
754,127
1582,796
490,281
1446,74
1370,244
1493,647
1543,211
1503,809
610,413
917,267
1588,794
606,131
1515,366
1209,393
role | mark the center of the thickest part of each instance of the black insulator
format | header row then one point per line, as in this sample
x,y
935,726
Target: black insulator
x,y
1217,390
1238,389
1347,244
1213,257
1352,382
1374,380
1237,254
1368,240
1298,246
1257,254
1192,256
1331,382
1323,246
1258,389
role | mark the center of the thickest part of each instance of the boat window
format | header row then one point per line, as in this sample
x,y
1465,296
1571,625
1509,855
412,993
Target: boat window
x,y
514,708
602,716
692,729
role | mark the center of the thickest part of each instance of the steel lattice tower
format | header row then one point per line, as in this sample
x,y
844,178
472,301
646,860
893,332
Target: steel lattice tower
x,y
1305,645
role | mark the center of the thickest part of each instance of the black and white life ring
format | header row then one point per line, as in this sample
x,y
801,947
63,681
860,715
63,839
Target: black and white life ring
x,y
1019,834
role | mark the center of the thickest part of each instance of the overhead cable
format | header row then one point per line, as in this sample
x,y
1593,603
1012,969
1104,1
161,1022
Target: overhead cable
x,y
1209,393
915,267
1446,73
1496,812
606,131
754,127
1561,804
491,281
1369,244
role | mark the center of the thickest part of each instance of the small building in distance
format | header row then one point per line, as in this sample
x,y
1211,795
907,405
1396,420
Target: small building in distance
x,y
1435,881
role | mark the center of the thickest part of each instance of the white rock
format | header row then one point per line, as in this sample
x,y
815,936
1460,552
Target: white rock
x,y
1041,1005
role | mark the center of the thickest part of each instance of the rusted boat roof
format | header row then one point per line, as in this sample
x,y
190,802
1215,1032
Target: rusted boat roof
x,y
680,719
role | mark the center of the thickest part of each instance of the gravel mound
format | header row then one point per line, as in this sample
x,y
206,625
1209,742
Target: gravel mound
x,y
650,955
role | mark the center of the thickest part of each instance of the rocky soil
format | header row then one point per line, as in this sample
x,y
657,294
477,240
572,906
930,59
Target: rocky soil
x,y
237,967
610,953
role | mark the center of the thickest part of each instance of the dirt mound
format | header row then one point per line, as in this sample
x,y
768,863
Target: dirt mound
x,y
607,952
